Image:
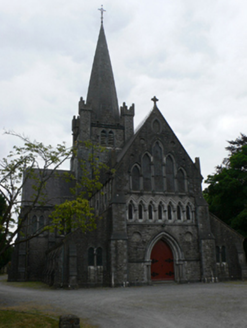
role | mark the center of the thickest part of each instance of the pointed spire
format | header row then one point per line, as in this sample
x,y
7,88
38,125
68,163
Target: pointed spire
x,y
102,96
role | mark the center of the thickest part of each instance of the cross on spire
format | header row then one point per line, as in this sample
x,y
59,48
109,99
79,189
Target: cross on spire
x,y
102,12
154,99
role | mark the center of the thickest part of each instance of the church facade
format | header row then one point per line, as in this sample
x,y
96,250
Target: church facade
x,y
155,224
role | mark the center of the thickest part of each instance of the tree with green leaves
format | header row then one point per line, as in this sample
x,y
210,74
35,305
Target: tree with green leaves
x,y
77,213
35,164
227,190
5,257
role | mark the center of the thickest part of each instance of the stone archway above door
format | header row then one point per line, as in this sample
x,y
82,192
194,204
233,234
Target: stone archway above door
x,y
178,257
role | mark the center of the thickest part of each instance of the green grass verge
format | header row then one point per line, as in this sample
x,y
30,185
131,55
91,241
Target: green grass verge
x,y
19,319
16,319
27,284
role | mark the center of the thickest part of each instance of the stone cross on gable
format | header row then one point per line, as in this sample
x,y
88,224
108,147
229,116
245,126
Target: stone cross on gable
x,y
102,12
154,99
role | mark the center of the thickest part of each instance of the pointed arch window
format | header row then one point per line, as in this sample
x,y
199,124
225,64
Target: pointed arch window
x,y
169,210
181,181
140,211
111,140
103,138
188,213
135,178
150,212
160,212
130,211
146,169
179,215
158,174
170,174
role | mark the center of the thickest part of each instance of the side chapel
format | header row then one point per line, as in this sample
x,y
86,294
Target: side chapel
x,y
155,224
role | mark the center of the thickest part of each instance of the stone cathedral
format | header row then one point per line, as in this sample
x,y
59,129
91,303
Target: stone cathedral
x,y
155,224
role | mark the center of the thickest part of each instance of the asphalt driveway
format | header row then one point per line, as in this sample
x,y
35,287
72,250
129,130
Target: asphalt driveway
x,y
168,305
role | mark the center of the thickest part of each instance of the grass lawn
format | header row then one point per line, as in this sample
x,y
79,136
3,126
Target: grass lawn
x,y
24,284
28,315
14,319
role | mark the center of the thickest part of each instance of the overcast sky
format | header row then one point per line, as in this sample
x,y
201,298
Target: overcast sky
x,y
190,54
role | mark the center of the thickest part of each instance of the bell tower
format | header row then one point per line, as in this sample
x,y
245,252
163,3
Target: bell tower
x,y
99,119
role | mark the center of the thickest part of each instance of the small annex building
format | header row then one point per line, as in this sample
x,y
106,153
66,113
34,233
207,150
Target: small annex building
x,y
155,224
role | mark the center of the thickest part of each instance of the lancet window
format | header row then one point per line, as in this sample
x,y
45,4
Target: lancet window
x,y
170,174
95,256
111,139
158,174
181,181
146,170
179,215
169,210
220,254
130,211
160,216
103,138
188,213
135,178
150,212
140,211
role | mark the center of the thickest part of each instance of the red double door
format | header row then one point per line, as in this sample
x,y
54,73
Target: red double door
x,y
162,267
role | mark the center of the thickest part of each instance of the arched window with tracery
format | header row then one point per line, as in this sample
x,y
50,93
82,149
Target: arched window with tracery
x,y
135,178
140,211
146,170
111,139
181,181
103,138
158,174
170,174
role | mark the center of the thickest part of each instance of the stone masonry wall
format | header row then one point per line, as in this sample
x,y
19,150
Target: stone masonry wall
x,y
235,265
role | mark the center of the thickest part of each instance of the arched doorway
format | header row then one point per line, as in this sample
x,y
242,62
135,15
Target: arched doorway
x,y
162,267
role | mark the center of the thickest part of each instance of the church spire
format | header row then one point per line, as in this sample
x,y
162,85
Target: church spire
x,y
102,96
